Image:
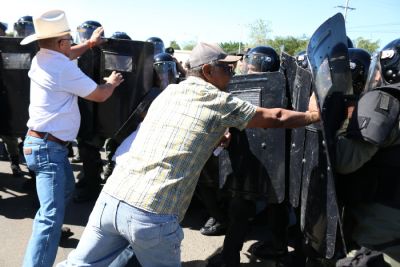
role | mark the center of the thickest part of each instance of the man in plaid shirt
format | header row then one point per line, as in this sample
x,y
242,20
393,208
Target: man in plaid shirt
x,y
148,194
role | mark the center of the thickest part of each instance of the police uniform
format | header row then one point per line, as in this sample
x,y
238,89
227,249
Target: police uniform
x,y
367,152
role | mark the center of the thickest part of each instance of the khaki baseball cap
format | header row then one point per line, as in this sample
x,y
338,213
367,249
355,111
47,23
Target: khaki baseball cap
x,y
204,53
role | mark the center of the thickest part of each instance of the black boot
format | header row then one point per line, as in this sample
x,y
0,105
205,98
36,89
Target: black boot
x,y
16,170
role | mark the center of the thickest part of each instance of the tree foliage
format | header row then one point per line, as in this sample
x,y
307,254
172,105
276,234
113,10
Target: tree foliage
x,y
233,47
290,44
188,45
259,32
370,46
174,45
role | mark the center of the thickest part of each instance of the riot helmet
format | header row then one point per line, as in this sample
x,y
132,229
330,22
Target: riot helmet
x,y
158,44
120,35
85,30
170,50
359,65
385,66
165,70
261,59
24,27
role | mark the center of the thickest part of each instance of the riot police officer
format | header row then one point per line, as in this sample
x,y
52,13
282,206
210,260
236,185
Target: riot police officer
x,y
360,61
121,35
367,148
109,144
158,44
249,181
85,30
89,144
22,28
261,59
165,70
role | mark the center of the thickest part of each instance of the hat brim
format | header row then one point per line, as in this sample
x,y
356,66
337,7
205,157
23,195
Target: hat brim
x,y
230,59
34,37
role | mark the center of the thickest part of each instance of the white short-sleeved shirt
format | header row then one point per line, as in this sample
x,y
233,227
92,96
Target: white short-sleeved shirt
x,y
125,147
56,83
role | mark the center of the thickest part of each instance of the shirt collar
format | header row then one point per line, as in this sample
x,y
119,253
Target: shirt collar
x,y
200,81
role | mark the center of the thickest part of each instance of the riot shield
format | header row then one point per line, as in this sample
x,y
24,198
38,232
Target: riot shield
x,y
328,57
89,63
257,156
289,67
136,116
15,62
299,83
134,59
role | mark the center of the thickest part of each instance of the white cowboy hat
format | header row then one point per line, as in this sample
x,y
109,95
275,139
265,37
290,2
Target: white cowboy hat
x,y
50,24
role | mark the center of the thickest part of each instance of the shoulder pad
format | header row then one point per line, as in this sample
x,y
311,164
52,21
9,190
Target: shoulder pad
x,y
374,117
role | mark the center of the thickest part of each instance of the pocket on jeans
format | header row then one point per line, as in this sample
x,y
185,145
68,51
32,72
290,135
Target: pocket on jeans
x,y
32,157
144,235
174,238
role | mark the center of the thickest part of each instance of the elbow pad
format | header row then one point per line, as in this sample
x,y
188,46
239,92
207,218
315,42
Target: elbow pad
x,y
374,117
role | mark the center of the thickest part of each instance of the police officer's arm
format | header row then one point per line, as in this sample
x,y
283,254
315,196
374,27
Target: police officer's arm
x,y
282,118
94,40
104,91
352,154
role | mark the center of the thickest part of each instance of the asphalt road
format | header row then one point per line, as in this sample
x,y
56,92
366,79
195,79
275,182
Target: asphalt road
x,y
18,208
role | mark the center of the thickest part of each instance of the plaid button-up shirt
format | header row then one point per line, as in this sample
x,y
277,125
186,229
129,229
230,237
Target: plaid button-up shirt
x,y
182,127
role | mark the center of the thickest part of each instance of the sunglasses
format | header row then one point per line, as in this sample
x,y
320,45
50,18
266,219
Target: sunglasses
x,y
226,68
70,39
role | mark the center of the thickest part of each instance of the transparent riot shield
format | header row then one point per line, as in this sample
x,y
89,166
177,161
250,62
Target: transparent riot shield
x,y
15,62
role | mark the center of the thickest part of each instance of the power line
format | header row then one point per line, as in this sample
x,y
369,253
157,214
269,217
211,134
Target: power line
x,y
375,25
346,7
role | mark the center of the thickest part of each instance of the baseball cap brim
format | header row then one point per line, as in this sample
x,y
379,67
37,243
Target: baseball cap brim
x,y
230,59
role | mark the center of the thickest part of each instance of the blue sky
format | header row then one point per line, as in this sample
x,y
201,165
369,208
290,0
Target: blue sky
x,y
218,20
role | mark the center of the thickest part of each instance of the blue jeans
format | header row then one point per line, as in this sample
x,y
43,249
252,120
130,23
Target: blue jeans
x,y
55,185
113,225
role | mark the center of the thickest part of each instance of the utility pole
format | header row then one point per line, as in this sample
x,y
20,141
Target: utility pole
x,y
346,7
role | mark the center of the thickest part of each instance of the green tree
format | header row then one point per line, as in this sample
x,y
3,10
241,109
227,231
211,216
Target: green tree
x,y
289,44
174,45
370,46
188,45
232,47
259,32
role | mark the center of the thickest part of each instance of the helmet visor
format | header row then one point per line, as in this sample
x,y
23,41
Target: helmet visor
x,y
257,63
166,72
374,78
23,29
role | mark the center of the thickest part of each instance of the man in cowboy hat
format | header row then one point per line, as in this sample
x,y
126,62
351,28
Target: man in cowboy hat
x,y
148,194
54,120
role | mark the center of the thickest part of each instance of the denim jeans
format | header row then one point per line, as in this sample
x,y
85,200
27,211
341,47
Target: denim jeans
x,y
55,184
113,225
